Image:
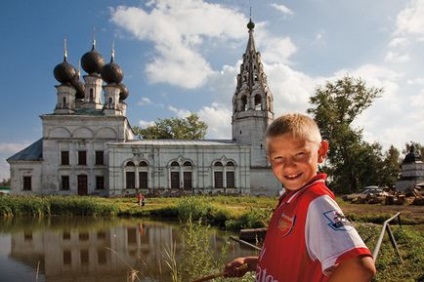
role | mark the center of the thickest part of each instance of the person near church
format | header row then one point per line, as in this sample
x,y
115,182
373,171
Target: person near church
x,y
141,199
308,237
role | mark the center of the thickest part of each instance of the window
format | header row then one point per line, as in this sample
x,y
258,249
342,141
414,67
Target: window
x,y
142,176
67,257
85,258
27,181
230,179
101,256
82,157
100,182
231,183
219,179
99,158
83,236
64,182
66,235
64,158
27,236
130,176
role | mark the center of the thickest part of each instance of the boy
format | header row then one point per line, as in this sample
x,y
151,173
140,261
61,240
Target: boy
x,y
308,237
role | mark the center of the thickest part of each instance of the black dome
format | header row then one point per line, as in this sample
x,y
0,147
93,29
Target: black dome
x,y
250,25
92,62
112,73
64,72
124,91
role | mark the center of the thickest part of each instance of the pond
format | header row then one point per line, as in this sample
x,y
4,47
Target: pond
x,y
63,249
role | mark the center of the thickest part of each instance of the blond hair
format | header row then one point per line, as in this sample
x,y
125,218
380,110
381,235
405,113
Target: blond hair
x,y
299,126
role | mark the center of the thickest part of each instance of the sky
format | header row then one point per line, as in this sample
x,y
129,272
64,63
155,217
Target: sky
x,y
183,56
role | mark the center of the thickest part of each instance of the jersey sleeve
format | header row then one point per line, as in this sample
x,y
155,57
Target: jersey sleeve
x,y
329,235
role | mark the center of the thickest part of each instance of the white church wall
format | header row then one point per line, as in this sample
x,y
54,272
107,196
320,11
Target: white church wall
x,y
263,182
160,157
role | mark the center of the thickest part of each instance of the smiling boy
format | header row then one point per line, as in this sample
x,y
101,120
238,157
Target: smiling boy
x,y
308,237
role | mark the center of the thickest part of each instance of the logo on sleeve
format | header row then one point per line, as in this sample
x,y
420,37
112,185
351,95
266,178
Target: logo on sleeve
x,y
337,220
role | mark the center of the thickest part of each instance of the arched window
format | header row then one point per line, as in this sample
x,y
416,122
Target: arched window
x,y
181,176
258,102
130,175
175,175
230,175
218,175
244,103
143,179
91,94
187,175
224,175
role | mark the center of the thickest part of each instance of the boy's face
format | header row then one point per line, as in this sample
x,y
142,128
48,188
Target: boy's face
x,y
295,161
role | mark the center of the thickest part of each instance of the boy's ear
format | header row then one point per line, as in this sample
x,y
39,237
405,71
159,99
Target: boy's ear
x,y
322,151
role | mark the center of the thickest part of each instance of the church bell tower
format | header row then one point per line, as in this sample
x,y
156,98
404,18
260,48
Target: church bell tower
x,y
252,103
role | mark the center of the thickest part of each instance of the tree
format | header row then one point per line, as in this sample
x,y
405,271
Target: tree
x,y
391,168
338,104
190,128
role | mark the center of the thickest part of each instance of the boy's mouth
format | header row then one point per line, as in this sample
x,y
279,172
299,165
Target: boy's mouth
x,y
293,176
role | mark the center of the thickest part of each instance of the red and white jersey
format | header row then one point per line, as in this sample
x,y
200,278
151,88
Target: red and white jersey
x,y
307,236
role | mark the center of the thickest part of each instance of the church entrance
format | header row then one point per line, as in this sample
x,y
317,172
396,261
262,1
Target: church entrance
x,y
82,185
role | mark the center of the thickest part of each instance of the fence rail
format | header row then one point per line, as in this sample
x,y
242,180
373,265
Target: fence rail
x,y
386,227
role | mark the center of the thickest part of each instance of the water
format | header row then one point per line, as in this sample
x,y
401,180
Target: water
x,y
63,249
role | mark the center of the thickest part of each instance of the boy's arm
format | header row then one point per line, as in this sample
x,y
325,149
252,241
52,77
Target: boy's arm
x,y
356,269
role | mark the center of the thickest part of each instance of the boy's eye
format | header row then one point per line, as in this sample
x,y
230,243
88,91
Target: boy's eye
x,y
300,156
278,160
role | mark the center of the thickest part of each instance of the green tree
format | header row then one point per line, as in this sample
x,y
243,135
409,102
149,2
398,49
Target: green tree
x,y
391,167
189,128
337,105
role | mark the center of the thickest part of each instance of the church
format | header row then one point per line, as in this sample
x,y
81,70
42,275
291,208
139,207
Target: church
x,y
88,146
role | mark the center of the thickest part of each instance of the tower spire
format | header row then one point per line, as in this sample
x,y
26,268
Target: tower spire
x,y
252,102
65,50
94,38
112,53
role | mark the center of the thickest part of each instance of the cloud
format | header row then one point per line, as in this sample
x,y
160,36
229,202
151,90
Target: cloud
x,y
144,101
181,113
218,119
393,57
6,151
179,31
283,9
410,21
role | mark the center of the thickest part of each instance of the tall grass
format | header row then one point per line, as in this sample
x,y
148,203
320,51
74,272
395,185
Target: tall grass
x,y
197,258
39,206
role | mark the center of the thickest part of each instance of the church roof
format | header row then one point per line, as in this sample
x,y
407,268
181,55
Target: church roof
x,y
174,142
33,152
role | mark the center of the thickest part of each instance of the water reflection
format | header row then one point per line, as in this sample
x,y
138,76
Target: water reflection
x,y
91,249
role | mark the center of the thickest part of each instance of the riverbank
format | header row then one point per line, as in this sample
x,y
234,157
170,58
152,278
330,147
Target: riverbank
x,y
229,212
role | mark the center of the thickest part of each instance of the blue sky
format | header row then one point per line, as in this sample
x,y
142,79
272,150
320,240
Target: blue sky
x,y
182,56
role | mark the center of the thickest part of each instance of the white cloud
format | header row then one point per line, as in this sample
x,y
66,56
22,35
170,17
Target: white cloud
x,y
145,124
218,119
398,42
283,9
6,151
410,21
178,30
393,57
144,101
291,89
181,113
